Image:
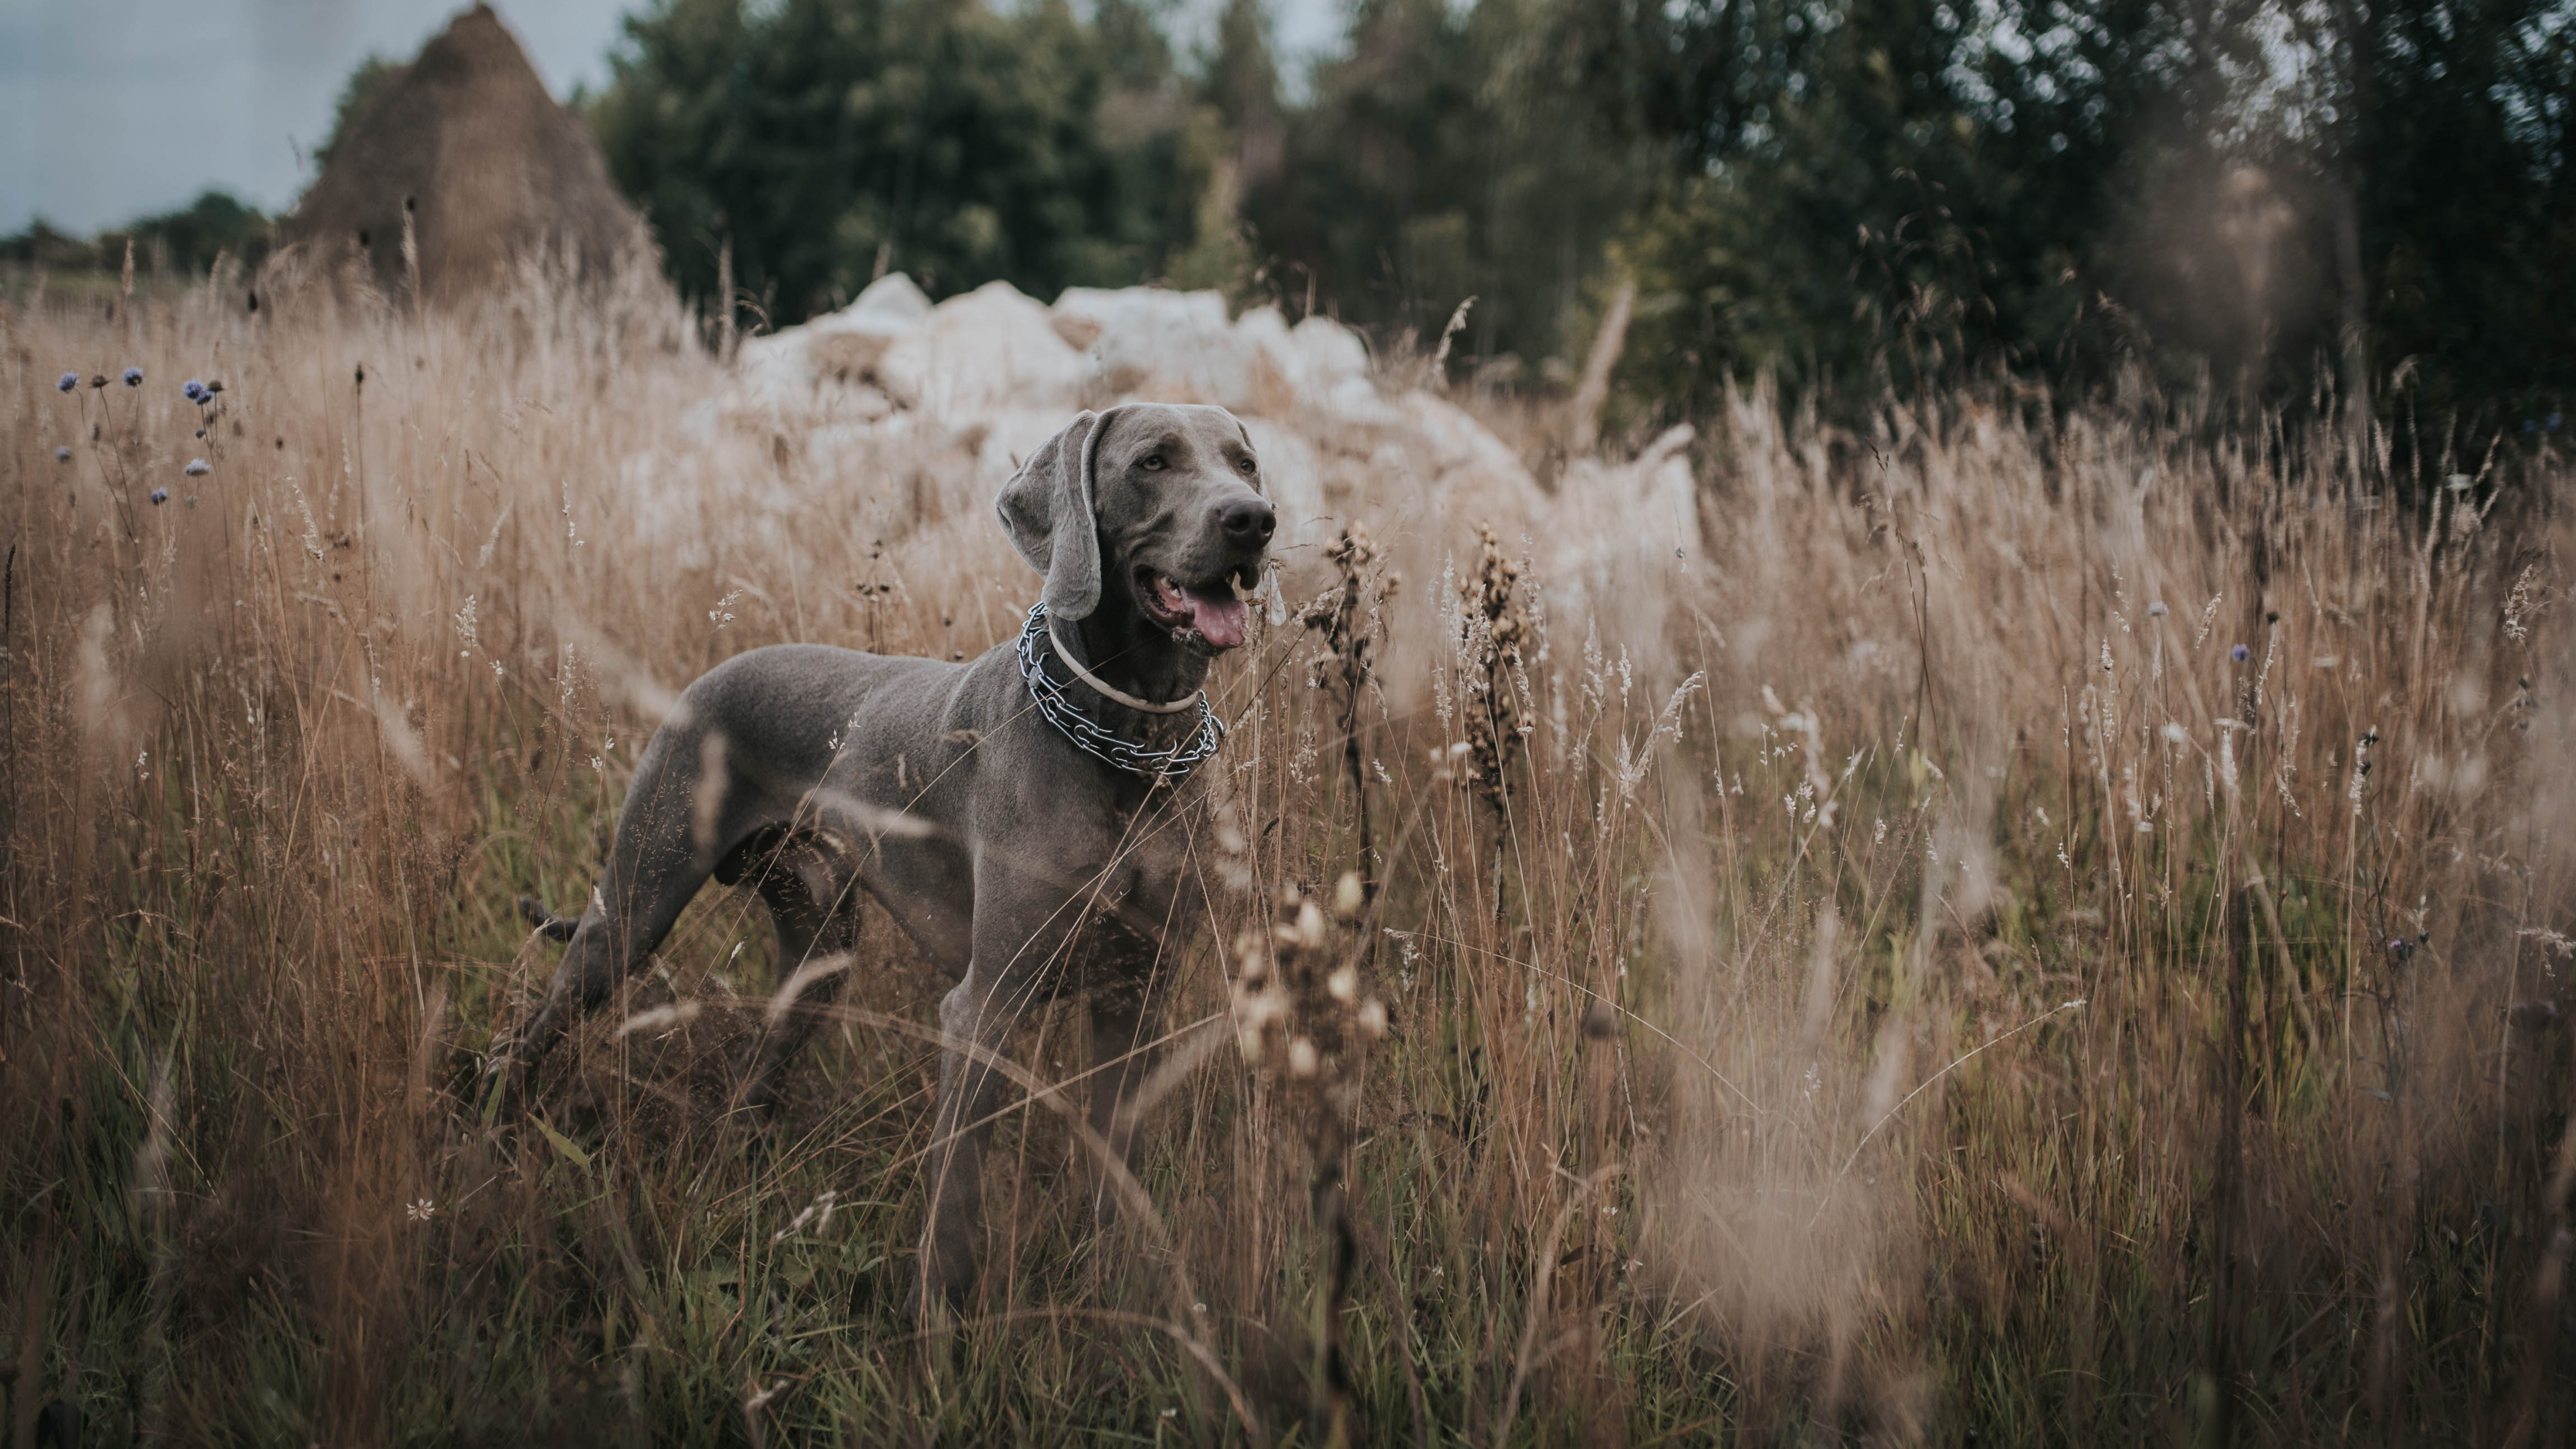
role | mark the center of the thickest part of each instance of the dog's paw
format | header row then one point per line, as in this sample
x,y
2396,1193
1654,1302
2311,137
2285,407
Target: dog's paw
x,y
932,1308
939,1283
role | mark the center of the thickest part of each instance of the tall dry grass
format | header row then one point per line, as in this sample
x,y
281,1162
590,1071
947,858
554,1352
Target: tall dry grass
x,y
1929,987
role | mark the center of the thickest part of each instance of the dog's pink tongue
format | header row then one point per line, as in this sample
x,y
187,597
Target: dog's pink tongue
x,y
1220,617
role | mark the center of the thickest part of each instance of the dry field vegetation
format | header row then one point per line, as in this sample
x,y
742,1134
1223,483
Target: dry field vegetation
x,y
2031,1017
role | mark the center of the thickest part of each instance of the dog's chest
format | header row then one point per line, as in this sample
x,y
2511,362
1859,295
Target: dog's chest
x,y
1144,896
1148,861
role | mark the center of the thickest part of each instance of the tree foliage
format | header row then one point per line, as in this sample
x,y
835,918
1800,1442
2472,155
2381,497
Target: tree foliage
x,y
828,140
1856,194
2455,132
185,241
1870,192
1445,155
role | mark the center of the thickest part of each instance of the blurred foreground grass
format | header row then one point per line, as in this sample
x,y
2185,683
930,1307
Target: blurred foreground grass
x,y
2083,893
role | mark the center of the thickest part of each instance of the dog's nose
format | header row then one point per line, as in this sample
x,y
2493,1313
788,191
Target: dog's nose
x,y
1248,522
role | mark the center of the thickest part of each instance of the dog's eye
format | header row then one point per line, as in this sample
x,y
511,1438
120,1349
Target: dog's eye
x,y
1245,465
1151,462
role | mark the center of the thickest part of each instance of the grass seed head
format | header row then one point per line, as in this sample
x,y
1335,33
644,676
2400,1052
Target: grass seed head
x,y
1310,927
1349,896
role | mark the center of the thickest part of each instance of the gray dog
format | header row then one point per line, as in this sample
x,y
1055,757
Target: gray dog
x,y
1020,815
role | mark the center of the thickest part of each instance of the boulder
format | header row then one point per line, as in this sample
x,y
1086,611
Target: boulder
x,y
990,348
1626,537
925,411
830,363
1466,465
1319,355
1180,347
1177,346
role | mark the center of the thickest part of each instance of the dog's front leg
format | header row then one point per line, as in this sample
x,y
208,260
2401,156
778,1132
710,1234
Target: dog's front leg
x,y
1126,1016
1021,932
969,1090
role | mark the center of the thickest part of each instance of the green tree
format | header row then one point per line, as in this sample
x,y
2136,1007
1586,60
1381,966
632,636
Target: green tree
x,y
185,240
1857,194
1235,140
1862,193
2456,135
1884,192
1445,155
827,139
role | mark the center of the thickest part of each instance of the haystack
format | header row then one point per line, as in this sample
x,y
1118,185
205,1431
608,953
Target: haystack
x,y
488,167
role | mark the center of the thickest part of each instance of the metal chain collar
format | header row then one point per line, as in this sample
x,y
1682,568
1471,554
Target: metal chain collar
x,y
1090,737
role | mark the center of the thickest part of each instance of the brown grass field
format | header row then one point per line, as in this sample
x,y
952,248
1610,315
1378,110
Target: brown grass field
x,y
2031,1017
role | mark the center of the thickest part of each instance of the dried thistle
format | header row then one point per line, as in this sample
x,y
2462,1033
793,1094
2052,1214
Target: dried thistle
x,y
2529,597
1299,986
1351,618
1303,1020
1495,624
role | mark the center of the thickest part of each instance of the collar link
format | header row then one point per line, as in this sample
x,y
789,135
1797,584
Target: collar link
x,y
1097,741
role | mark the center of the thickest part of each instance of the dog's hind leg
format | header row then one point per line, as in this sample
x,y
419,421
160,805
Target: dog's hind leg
x,y
682,816
811,890
606,945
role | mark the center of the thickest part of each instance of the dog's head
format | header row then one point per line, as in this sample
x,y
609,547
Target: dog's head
x,y
1154,506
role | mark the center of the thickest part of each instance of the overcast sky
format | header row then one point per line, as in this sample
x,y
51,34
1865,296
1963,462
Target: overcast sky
x,y
114,109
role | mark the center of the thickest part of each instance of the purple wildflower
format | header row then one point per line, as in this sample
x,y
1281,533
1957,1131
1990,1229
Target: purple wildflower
x,y
134,377
69,381
197,468
195,390
62,455
160,496
2240,653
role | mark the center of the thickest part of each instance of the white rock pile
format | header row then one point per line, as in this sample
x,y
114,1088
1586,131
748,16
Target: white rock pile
x,y
905,415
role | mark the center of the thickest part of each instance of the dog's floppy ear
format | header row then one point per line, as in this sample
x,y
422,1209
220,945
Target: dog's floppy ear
x,y
1046,508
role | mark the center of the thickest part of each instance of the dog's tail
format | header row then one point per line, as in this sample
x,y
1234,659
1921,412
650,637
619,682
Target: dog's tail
x,y
548,924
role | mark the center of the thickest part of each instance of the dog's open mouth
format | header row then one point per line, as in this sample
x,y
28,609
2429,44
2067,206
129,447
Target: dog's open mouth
x,y
1210,610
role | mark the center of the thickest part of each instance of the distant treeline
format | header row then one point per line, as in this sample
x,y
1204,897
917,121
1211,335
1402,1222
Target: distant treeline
x,y
1861,193
183,243
2279,201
